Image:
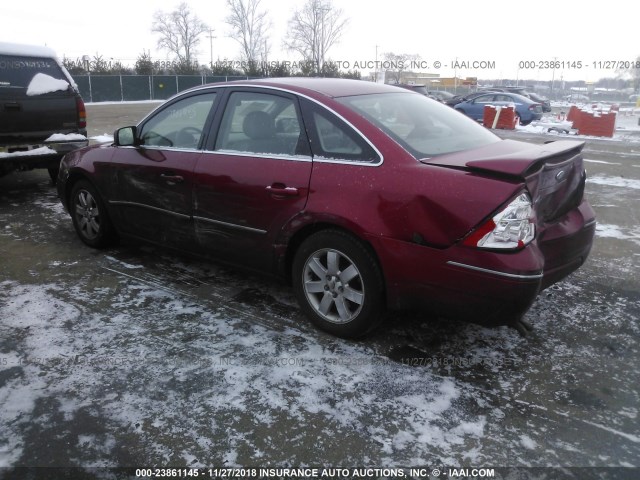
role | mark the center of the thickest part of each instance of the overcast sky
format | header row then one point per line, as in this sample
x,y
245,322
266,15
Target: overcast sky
x,y
504,32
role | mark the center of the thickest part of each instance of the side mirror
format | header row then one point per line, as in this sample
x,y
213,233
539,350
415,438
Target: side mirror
x,y
125,137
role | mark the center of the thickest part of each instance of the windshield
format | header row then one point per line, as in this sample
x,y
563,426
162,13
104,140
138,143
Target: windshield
x,y
424,127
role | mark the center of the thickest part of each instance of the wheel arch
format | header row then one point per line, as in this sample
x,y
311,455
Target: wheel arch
x,y
74,177
297,239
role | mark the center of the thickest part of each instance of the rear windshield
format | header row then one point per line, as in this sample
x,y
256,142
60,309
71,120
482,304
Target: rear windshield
x,y
424,127
18,71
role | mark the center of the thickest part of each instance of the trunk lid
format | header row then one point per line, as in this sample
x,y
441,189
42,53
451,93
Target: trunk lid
x,y
554,172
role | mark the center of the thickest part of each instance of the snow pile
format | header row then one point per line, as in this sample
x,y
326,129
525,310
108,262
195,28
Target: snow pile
x,y
61,137
42,83
29,153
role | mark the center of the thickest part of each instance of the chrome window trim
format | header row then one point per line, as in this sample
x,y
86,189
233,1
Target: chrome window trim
x,y
159,148
322,105
495,272
291,158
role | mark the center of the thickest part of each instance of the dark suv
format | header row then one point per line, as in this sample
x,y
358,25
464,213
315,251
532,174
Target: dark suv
x,y
42,115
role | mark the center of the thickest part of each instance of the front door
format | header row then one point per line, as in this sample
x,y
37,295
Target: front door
x,y
153,194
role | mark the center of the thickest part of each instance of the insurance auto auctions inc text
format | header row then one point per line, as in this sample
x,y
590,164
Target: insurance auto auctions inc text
x,y
348,473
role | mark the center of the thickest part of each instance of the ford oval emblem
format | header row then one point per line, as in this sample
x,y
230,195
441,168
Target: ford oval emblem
x,y
560,175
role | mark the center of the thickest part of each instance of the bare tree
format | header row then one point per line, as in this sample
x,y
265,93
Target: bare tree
x,y
314,29
396,64
249,28
179,32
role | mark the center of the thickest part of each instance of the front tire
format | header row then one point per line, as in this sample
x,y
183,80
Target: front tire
x,y
338,284
90,218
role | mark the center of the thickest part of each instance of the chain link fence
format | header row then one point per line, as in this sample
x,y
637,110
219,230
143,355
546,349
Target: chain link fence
x,y
118,88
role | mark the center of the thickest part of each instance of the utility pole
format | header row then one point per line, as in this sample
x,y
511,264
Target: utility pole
x,y
211,37
375,71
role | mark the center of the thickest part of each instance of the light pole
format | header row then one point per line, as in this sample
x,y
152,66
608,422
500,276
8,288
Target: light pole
x,y
211,37
87,66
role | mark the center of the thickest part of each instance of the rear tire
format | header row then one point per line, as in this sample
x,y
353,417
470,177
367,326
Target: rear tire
x,y
338,284
90,218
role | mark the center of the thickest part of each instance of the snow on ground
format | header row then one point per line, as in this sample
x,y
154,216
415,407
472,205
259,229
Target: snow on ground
x,y
615,181
230,367
104,138
615,231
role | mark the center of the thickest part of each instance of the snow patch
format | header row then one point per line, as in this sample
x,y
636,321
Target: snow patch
x,y
18,49
68,137
29,153
527,442
42,83
614,231
104,138
615,181
601,161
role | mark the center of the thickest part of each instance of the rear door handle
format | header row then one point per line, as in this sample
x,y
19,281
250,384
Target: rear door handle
x,y
279,190
12,106
171,179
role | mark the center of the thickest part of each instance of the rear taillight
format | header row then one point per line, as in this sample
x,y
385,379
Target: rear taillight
x,y
82,113
510,229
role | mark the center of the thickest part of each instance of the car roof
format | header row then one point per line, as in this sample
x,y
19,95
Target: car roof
x,y
516,96
330,87
18,49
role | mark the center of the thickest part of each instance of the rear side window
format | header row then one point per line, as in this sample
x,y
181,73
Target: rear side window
x,y
262,123
19,72
333,139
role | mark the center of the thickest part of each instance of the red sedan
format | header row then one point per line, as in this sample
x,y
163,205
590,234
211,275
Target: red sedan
x,y
363,195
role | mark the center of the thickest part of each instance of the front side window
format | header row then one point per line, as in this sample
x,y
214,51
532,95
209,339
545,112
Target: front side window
x,y
425,128
261,123
180,125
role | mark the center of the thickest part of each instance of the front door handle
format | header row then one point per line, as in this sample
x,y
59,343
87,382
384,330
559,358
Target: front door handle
x,y
171,179
279,190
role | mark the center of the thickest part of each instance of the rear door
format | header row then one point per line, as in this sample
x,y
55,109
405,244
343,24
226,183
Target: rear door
x,y
254,176
36,99
153,183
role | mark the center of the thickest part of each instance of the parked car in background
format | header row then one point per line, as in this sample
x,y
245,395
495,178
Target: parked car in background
x,y
461,98
421,89
364,196
576,98
441,95
545,102
526,109
42,114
